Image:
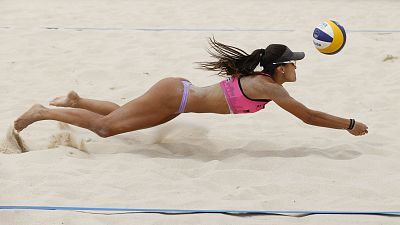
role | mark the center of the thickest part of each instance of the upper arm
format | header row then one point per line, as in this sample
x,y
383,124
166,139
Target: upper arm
x,y
281,97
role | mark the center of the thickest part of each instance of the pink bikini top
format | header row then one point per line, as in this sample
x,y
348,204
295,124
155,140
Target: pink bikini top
x,y
237,101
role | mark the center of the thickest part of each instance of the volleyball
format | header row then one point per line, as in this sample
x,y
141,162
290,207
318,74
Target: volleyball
x,y
329,37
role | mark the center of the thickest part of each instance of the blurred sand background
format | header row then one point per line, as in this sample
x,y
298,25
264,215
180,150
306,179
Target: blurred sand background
x,y
116,50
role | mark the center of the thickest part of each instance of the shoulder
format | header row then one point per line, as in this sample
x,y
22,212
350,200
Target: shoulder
x,y
268,87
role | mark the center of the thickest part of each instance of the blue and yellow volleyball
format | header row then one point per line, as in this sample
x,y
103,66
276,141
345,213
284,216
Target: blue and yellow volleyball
x,y
329,37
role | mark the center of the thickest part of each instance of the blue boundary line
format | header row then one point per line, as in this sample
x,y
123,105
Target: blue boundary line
x,y
208,29
182,29
199,29
193,211
373,31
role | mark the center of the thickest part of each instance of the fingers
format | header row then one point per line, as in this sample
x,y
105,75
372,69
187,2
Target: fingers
x,y
358,133
359,129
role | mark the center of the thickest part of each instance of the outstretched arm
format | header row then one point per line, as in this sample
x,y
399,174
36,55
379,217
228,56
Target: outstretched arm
x,y
281,97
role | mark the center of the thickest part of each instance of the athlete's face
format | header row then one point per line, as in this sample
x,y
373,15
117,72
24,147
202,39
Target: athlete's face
x,y
290,71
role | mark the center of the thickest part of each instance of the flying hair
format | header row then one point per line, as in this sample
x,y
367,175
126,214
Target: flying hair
x,y
231,61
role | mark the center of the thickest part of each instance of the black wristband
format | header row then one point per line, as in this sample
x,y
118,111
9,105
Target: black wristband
x,y
351,125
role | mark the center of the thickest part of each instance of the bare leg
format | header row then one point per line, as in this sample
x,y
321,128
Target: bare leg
x,y
79,117
73,100
156,106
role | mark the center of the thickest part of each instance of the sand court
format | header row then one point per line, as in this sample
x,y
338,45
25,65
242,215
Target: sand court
x,y
270,160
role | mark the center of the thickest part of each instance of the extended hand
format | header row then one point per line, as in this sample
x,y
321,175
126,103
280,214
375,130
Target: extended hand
x,y
359,129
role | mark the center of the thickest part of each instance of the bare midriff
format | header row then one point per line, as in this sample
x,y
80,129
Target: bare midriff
x,y
209,99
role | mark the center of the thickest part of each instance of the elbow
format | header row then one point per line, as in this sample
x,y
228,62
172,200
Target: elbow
x,y
309,118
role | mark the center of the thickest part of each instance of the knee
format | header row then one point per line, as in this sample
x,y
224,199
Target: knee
x,y
105,129
104,132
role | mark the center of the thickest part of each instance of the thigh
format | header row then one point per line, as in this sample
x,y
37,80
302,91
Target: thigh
x,y
158,105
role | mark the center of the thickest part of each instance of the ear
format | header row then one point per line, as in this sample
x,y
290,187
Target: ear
x,y
281,69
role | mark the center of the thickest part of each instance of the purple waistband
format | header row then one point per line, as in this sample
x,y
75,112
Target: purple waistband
x,y
186,86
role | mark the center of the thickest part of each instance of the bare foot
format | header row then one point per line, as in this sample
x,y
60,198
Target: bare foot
x,y
32,115
71,100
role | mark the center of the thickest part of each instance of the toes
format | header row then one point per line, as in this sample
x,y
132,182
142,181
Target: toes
x,y
59,101
52,102
17,126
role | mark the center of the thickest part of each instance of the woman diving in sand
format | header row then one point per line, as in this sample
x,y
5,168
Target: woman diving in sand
x,y
245,91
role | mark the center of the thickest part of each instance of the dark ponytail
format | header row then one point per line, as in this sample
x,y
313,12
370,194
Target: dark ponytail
x,y
232,61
